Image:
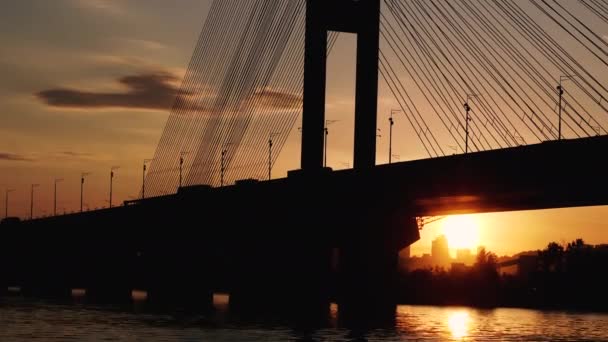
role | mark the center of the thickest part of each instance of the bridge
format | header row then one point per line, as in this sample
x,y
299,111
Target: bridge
x,y
317,234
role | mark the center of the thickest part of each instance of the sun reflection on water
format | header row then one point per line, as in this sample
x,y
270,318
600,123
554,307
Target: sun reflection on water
x,y
458,323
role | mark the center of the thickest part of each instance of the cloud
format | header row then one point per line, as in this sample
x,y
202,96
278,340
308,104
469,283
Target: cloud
x,y
143,43
14,157
270,99
157,91
109,6
143,91
75,154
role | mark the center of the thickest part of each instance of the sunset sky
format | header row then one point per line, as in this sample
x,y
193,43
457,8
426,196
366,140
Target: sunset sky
x,y
122,59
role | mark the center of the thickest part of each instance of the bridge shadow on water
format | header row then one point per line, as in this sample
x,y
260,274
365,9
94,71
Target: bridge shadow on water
x,y
294,324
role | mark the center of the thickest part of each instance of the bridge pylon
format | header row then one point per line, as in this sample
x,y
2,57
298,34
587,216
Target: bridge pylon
x,y
361,17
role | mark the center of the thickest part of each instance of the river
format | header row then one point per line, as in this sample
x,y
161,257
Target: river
x,y
32,320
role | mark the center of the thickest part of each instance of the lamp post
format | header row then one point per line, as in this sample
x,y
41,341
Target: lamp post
x,y
32,201
390,135
181,164
560,91
112,181
222,166
143,179
57,180
84,174
8,191
467,119
271,135
327,123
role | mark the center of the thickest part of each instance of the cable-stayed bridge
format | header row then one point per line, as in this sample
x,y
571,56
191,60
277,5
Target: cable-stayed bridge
x,y
526,110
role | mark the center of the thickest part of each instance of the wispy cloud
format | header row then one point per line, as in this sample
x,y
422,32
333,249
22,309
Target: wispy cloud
x,y
144,91
157,91
108,6
75,154
143,43
271,99
14,157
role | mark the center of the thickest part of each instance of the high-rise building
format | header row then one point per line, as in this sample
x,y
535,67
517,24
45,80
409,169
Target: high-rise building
x,y
440,251
465,256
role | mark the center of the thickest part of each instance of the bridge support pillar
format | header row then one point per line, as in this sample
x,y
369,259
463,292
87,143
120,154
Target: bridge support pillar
x,y
181,280
367,262
367,280
288,279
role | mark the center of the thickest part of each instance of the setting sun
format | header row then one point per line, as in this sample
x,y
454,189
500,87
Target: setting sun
x,y
462,231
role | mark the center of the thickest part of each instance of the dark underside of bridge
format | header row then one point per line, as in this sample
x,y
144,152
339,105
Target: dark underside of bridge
x,y
295,242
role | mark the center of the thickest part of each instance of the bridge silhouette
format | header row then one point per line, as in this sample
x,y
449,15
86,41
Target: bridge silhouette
x,y
317,234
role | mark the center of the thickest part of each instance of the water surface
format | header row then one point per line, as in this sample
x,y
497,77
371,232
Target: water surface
x,y
31,320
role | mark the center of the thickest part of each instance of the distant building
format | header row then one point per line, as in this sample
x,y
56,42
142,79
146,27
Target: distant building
x,y
526,264
602,247
459,267
522,265
465,256
440,251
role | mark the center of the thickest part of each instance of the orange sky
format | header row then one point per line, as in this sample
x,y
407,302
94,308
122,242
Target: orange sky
x,y
91,45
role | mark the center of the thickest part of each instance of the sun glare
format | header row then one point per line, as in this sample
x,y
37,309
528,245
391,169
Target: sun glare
x,y
458,323
462,231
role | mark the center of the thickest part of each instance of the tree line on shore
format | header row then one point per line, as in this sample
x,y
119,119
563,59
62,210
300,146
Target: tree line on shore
x,y
571,276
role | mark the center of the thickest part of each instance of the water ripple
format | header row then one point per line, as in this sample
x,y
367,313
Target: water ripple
x,y
25,320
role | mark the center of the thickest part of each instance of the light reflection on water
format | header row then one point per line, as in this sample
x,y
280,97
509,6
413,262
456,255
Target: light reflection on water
x,y
458,322
27,320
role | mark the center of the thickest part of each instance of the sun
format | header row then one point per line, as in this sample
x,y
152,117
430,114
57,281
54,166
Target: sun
x,y
462,231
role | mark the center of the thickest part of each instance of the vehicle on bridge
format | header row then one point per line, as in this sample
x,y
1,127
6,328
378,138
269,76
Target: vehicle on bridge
x,y
10,221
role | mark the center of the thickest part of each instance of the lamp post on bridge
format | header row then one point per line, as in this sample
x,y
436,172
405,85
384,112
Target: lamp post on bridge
x,y
560,91
84,174
223,163
467,119
57,180
271,135
112,181
8,191
181,164
32,201
143,179
327,123
390,135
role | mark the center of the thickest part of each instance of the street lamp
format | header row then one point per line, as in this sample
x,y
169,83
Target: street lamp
x,y
271,135
467,119
181,163
8,191
560,90
112,181
222,168
327,123
223,163
390,135
84,174
143,183
57,180
32,201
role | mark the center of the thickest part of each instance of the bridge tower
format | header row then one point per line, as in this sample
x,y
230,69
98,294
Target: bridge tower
x,y
361,17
